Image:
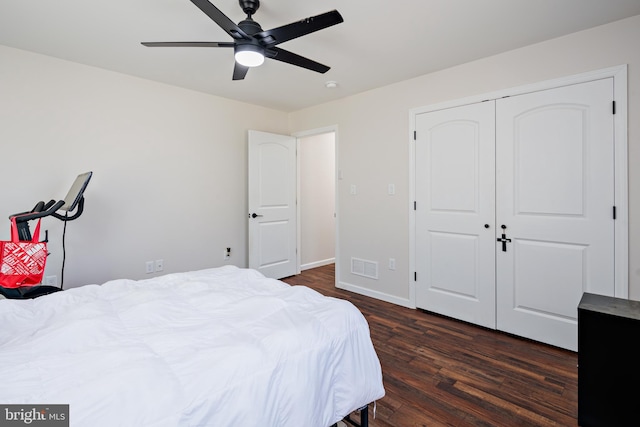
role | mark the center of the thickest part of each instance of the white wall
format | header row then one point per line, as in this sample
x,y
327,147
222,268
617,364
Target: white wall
x,y
169,166
375,139
316,160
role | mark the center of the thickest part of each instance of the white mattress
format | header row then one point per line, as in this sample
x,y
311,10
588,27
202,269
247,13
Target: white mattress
x,y
218,347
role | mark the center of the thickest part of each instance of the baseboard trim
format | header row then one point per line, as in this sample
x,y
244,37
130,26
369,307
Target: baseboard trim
x,y
375,294
315,264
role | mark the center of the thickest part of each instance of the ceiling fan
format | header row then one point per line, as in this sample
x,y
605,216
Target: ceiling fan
x,y
251,44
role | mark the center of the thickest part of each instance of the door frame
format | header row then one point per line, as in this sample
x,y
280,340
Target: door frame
x,y
304,134
621,194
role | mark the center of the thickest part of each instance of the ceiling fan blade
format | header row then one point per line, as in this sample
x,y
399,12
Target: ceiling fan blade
x,y
239,71
188,44
299,28
295,59
221,19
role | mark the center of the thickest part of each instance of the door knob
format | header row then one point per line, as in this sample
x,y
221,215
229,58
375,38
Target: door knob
x,y
254,215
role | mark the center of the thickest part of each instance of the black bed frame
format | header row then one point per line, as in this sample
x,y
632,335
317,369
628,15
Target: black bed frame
x,y
364,418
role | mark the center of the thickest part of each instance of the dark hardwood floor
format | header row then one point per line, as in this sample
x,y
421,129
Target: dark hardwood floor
x,y
442,372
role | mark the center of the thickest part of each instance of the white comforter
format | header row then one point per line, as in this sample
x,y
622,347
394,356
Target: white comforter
x,y
218,347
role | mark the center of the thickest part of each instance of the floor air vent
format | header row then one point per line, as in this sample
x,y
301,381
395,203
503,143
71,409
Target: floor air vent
x,y
365,268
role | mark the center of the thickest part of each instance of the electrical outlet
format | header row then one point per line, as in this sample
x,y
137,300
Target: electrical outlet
x,y
51,281
227,253
149,267
159,265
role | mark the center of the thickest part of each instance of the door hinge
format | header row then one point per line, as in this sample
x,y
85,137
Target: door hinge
x,y
415,135
614,212
614,107
415,205
415,276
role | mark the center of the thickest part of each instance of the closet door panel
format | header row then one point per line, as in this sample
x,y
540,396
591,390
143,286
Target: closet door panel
x,y
455,171
549,174
554,184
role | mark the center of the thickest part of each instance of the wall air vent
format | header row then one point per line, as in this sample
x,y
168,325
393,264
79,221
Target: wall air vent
x,y
365,268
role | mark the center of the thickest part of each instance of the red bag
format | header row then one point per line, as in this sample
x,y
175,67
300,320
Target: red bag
x,y
22,262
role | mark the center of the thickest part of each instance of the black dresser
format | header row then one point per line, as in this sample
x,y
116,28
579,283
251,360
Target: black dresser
x,y
608,361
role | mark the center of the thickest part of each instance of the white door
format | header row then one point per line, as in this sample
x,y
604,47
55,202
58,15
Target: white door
x,y
553,165
272,204
455,212
555,196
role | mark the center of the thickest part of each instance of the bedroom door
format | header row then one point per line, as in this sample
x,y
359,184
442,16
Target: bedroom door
x,y
553,230
272,178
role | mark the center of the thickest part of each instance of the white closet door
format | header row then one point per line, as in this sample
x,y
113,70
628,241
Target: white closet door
x,y
455,240
555,196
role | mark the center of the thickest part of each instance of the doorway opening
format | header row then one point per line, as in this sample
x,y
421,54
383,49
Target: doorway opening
x,y
317,219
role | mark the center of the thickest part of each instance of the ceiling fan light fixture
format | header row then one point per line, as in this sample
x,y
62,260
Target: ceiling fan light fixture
x,y
249,55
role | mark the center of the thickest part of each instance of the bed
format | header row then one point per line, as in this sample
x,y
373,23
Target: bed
x,y
209,348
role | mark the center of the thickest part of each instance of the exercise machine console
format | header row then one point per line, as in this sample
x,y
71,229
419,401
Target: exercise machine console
x,y
73,200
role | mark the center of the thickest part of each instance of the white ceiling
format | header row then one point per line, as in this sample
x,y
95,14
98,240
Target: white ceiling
x,y
380,41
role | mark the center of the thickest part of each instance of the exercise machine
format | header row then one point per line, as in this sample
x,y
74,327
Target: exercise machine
x,y
67,209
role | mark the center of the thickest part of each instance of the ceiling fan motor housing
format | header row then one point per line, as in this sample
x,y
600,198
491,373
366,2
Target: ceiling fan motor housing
x,y
249,26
